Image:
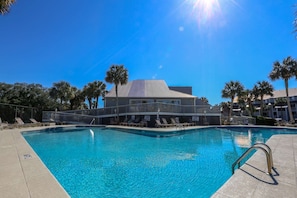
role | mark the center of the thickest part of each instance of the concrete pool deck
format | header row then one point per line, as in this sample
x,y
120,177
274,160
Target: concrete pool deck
x,y
22,173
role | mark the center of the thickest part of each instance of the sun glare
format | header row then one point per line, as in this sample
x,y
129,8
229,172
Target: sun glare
x,y
204,10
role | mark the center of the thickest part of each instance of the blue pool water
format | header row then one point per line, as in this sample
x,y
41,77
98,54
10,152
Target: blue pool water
x,y
101,162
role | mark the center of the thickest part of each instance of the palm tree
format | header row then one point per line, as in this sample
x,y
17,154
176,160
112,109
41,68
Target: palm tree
x,y
5,5
88,92
260,89
231,90
204,100
246,100
117,75
99,91
285,70
77,99
61,91
92,91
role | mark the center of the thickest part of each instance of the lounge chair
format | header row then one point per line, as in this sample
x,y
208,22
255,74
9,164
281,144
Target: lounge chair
x,y
33,121
36,123
159,124
143,123
166,123
125,122
134,122
19,121
177,123
2,125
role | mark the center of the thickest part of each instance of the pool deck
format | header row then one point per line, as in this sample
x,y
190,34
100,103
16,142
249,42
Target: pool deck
x,y
22,173
251,179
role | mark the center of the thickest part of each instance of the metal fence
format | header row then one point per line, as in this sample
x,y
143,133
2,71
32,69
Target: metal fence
x,y
8,112
96,115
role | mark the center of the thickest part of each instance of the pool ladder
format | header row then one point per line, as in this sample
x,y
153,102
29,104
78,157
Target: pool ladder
x,y
265,148
92,122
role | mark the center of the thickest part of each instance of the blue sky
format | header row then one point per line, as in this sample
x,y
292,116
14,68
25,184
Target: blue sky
x,y
198,43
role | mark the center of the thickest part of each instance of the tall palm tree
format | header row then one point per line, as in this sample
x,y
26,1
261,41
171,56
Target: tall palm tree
x,y
260,89
5,5
117,75
285,70
231,90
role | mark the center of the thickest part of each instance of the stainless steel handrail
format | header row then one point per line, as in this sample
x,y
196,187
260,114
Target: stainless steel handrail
x,y
256,146
269,151
92,122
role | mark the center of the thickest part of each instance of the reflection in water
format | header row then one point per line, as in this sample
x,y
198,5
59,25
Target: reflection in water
x,y
92,135
243,140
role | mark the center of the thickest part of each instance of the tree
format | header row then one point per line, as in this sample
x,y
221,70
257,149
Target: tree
x,y
117,75
88,93
246,99
77,99
231,90
5,5
92,91
62,92
99,91
285,70
260,89
204,100
24,100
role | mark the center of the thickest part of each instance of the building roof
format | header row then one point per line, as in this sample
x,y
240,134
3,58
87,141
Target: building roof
x,y
276,94
281,93
147,89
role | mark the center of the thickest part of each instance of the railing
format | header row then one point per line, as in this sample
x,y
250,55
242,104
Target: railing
x,y
92,122
87,116
257,146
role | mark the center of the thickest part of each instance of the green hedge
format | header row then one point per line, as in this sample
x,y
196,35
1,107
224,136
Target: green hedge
x,y
265,121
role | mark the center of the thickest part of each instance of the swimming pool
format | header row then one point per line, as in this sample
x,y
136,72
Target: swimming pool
x,y
102,162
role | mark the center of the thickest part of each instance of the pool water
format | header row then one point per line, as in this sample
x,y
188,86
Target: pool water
x,y
101,162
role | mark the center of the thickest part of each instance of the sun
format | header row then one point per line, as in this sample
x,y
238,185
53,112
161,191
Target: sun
x,y
204,10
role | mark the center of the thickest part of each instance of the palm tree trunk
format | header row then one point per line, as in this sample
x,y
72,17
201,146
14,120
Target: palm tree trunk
x,y
262,106
288,101
117,103
251,109
231,109
97,99
90,103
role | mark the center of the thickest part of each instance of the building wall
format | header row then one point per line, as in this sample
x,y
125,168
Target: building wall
x,y
182,89
111,102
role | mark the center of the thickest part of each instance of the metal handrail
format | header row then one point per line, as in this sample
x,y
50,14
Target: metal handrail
x,y
92,122
256,146
269,151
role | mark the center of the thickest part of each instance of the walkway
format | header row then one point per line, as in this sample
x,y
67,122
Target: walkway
x,y
22,174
